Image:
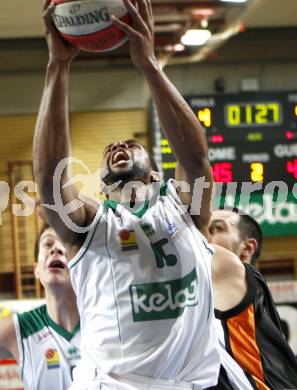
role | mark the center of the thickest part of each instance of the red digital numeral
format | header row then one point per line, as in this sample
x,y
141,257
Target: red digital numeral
x,y
222,172
292,167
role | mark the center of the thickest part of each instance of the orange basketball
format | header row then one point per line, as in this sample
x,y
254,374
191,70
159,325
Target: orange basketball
x,y
87,23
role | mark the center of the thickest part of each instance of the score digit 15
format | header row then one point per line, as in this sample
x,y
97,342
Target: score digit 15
x,y
222,172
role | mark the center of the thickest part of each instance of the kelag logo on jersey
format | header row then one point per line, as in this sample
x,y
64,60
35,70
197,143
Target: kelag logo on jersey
x,y
163,300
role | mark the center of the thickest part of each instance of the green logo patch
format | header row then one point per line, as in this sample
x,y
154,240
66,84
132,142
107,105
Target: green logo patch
x,y
163,300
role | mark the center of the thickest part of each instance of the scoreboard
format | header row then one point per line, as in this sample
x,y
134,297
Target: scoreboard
x,y
252,137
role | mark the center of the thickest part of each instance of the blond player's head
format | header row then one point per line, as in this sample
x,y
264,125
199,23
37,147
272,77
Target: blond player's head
x,y
51,260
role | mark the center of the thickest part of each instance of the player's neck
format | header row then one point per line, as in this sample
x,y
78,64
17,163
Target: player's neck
x,y
62,309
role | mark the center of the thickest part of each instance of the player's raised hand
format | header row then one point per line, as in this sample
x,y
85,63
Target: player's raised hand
x,y
141,33
59,49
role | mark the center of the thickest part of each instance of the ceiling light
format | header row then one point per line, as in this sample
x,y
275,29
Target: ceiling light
x,y
195,37
204,23
179,47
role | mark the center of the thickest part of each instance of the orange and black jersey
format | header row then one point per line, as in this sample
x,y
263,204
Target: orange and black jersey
x,y
254,338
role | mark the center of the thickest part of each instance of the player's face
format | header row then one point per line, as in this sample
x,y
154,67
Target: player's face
x,y
223,230
126,160
51,268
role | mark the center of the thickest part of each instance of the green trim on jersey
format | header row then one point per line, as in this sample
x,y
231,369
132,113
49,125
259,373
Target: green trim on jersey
x,y
142,210
61,331
33,321
163,189
108,203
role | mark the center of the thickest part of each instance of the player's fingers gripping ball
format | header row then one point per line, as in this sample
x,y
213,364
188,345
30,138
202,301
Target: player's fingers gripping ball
x,y
87,24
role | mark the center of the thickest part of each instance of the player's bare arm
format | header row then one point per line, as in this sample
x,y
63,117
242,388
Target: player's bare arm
x,y
228,279
52,134
181,127
8,339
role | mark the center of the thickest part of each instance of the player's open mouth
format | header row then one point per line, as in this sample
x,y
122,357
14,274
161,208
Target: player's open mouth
x,y
120,157
57,264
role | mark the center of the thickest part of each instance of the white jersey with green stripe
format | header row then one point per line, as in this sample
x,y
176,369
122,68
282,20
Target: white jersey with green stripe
x,y
47,352
142,281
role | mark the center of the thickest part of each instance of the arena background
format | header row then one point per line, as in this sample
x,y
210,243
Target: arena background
x,y
258,52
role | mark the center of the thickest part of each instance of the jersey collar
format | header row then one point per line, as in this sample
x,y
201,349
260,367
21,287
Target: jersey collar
x,y
108,203
61,331
112,204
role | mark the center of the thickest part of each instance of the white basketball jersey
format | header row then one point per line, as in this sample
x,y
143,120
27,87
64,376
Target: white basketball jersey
x,y
47,352
143,289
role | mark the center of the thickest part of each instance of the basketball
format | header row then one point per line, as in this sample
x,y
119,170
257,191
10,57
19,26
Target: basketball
x,y
87,23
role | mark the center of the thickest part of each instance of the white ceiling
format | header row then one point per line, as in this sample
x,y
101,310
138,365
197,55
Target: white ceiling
x,y
22,18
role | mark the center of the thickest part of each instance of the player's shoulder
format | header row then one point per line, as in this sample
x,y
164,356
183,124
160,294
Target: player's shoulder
x,y
254,275
8,337
225,262
172,190
32,321
6,328
166,188
254,271
256,279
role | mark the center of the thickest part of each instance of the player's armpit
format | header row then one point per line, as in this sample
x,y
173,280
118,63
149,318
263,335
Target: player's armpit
x,y
228,277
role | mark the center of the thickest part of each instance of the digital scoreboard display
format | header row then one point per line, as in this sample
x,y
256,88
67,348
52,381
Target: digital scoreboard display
x,y
252,137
